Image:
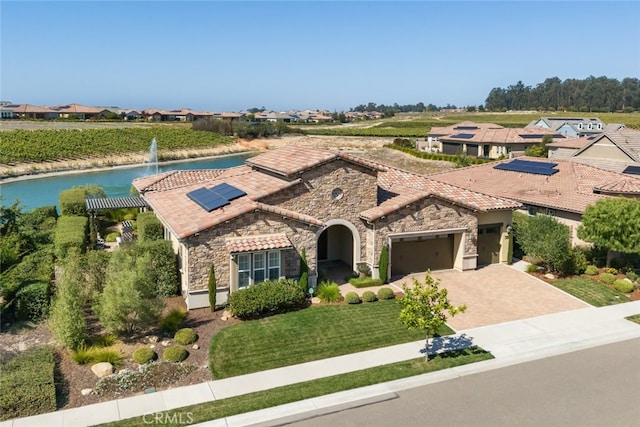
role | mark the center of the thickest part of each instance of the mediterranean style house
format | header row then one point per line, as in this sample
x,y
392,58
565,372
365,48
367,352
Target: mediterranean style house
x,y
252,222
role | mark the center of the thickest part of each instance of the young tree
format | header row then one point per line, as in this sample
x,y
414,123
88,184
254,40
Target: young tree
x,y
613,224
425,306
67,321
129,301
304,272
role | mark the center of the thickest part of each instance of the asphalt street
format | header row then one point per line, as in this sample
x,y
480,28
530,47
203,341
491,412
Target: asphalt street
x,y
596,387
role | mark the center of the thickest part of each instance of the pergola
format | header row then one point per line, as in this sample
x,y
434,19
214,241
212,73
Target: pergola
x,y
105,204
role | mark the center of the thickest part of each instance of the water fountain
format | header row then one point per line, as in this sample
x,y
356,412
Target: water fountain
x,y
152,160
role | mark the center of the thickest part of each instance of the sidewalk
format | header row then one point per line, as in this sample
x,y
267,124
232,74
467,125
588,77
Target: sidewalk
x,y
511,343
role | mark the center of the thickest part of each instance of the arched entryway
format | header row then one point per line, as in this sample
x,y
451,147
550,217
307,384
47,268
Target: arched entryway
x,y
338,249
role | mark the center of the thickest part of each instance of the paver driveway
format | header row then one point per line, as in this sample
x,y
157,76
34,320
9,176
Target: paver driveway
x,y
498,293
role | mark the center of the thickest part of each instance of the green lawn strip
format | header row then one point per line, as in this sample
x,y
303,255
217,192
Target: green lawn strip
x,y
309,389
314,333
635,318
590,291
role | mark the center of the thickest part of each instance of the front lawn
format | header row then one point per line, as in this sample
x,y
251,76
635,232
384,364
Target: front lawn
x,y
311,334
320,387
590,291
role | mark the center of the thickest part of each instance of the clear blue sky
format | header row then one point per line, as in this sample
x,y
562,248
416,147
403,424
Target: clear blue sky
x,y
229,56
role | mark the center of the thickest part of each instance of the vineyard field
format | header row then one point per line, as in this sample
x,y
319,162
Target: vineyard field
x,y
22,146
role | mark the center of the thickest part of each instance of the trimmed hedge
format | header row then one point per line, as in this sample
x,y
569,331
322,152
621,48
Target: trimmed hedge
x,y
144,355
266,298
27,384
33,302
72,202
185,336
369,296
149,227
623,285
70,235
352,298
386,293
364,282
175,353
591,270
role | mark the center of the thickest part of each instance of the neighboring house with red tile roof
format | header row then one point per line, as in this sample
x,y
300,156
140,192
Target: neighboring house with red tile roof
x,y
28,111
565,193
177,115
81,112
336,206
485,140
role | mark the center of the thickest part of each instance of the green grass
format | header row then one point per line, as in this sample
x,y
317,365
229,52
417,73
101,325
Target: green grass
x,y
590,291
306,390
635,318
310,334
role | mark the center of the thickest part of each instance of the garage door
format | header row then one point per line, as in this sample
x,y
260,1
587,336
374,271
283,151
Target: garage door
x,y
418,255
489,244
472,150
450,148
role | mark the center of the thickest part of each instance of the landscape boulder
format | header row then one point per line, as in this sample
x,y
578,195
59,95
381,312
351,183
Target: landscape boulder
x,y
102,369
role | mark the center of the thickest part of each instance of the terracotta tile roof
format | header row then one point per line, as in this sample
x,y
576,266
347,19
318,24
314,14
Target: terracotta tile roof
x,y
401,188
575,143
257,243
571,189
291,160
77,108
175,179
459,128
623,186
28,108
504,136
289,214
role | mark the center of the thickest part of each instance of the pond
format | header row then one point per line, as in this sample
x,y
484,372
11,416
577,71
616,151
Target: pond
x,y
116,182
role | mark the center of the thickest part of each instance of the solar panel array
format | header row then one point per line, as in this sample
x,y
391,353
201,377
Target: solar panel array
x,y
632,170
528,166
216,197
466,127
463,135
539,135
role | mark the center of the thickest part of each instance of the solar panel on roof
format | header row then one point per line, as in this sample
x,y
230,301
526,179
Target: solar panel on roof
x,y
466,127
207,199
528,166
227,191
632,170
463,135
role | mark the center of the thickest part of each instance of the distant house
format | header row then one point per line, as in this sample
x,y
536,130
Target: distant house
x,y
28,111
574,126
560,188
81,112
230,116
485,140
614,151
177,115
7,111
253,221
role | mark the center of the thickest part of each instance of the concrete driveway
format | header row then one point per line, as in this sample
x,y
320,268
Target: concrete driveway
x,y
498,293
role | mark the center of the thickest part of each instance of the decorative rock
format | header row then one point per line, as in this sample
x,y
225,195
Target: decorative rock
x,y
549,276
152,346
165,343
86,391
195,347
315,300
102,369
227,314
152,339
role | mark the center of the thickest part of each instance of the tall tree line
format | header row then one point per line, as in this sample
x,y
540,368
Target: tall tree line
x,y
593,94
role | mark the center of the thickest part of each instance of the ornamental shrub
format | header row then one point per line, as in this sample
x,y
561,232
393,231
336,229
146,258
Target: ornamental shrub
x,y
611,270
623,285
32,302
185,336
172,321
364,282
95,354
352,298
149,227
532,268
383,264
212,288
304,283
386,293
607,278
144,355
369,296
175,353
329,292
266,298
632,275
591,270
72,201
